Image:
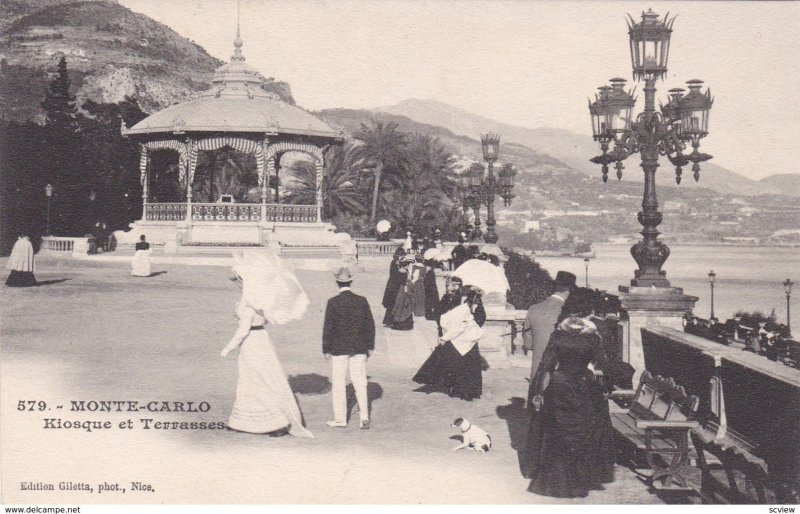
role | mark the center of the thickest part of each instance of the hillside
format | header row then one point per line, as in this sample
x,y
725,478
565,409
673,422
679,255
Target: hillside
x,y
111,52
789,183
573,149
465,148
579,203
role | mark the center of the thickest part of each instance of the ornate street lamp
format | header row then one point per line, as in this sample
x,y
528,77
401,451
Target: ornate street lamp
x,y
479,188
506,176
48,192
711,279
469,183
682,121
787,287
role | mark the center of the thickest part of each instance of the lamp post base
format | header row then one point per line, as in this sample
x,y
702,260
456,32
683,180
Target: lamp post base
x,y
648,306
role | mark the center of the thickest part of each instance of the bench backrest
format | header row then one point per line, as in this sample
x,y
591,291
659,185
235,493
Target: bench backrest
x,y
659,398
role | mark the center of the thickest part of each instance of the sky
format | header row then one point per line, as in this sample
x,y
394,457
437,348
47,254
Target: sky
x,y
527,63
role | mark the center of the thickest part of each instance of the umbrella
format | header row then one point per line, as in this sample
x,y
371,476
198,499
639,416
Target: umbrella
x,y
430,254
490,249
443,255
484,275
383,226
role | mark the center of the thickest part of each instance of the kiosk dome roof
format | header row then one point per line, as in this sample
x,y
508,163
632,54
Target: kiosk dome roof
x,y
236,102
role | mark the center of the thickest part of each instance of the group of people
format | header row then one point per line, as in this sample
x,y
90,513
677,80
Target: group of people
x,y
454,366
410,291
271,294
569,448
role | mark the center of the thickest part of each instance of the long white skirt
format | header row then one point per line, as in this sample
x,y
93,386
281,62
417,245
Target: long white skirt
x,y
141,263
264,401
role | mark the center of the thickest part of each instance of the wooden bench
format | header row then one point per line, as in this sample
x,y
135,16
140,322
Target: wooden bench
x,y
658,423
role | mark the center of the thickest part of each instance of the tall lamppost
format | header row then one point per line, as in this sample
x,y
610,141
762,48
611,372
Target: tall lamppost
x,y
586,264
711,279
48,192
787,287
683,121
92,209
470,189
479,189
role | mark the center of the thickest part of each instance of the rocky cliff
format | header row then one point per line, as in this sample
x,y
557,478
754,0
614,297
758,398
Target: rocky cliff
x,y
111,52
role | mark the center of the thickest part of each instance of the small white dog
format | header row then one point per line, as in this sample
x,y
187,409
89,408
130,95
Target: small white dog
x,y
473,436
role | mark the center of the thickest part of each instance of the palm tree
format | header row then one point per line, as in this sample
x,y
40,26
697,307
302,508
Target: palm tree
x,y
384,146
224,171
340,192
429,160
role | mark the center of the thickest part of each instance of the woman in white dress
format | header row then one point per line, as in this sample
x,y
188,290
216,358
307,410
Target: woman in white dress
x,y
270,294
20,263
141,259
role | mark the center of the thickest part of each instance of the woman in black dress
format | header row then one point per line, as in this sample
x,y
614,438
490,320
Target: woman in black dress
x,y
454,367
570,439
393,284
431,291
403,309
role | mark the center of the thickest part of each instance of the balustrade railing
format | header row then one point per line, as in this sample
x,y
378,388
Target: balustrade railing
x,y
165,211
65,245
58,244
230,212
377,248
291,213
226,212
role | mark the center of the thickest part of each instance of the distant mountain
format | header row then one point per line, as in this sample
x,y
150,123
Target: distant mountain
x,y
788,183
111,53
465,148
573,149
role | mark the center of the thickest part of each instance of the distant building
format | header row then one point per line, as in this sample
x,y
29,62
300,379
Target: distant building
x,y
740,239
531,226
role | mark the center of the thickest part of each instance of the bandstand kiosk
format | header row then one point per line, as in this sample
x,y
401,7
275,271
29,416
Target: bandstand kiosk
x,y
237,112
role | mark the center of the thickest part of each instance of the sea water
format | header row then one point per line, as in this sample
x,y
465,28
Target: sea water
x,y
748,278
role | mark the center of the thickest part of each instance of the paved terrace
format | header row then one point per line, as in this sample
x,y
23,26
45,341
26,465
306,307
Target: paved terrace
x,y
96,333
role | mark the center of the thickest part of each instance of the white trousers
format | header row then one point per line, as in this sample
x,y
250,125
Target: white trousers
x,y
358,375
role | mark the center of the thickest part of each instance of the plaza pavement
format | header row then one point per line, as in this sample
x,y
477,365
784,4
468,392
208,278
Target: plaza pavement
x,y
97,333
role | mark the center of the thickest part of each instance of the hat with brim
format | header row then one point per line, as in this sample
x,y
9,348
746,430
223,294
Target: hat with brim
x,y
343,274
565,278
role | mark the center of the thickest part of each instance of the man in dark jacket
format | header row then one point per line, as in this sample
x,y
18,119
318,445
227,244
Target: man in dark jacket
x,y
348,337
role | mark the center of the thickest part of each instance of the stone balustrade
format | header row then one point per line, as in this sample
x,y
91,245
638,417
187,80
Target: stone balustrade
x,y
231,212
372,248
74,246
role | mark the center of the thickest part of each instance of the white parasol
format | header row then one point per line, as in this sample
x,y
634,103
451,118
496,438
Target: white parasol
x,y
383,226
483,274
430,254
270,286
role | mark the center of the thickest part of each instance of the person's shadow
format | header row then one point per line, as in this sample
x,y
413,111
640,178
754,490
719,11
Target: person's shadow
x,y
517,418
309,383
156,273
50,282
374,392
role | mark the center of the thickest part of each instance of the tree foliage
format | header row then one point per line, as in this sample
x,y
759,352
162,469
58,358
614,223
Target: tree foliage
x,y
77,153
530,283
383,148
340,191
